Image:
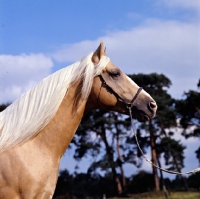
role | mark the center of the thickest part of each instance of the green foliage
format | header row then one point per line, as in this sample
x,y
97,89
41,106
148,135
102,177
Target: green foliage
x,y
194,180
189,112
97,133
173,153
152,83
84,185
133,154
141,182
198,85
198,154
156,85
3,106
159,128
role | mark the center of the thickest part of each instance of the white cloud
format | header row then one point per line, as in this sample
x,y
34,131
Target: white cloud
x,y
168,47
134,15
21,72
191,4
74,52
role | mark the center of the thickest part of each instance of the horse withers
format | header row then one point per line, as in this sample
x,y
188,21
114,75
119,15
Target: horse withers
x,y
37,128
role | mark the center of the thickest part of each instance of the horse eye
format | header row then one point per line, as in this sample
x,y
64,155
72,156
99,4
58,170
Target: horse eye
x,y
114,73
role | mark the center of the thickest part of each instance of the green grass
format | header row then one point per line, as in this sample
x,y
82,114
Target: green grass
x,y
160,195
172,195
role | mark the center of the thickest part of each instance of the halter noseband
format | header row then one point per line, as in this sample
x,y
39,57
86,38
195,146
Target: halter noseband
x,y
109,89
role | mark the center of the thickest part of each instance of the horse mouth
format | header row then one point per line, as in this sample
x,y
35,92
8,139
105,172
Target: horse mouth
x,y
142,117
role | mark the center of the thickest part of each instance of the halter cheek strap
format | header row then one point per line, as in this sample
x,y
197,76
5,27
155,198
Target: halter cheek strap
x,y
129,105
109,89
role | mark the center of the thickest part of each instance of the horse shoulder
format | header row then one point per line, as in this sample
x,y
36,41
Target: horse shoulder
x,y
22,172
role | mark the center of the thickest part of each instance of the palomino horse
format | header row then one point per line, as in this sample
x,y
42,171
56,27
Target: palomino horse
x,y
37,128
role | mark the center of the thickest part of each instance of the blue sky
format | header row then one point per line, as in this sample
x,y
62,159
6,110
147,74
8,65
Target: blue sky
x,y
40,37
52,23
43,26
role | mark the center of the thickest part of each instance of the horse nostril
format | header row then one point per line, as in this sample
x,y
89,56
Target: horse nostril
x,y
152,106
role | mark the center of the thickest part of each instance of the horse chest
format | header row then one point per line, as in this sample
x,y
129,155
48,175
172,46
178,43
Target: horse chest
x,y
27,174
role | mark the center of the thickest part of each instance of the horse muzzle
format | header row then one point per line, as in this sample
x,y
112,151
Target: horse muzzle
x,y
145,115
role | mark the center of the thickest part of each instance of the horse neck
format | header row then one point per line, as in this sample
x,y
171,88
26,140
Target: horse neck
x,y
57,135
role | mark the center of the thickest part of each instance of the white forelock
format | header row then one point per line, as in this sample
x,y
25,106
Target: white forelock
x,y
28,115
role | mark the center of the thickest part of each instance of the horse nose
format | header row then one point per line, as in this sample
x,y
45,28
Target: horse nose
x,y
152,106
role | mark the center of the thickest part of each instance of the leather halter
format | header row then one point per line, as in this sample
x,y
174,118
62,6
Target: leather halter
x,y
109,89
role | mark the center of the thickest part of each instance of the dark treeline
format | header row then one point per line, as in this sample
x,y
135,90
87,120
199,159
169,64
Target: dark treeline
x,y
105,137
85,185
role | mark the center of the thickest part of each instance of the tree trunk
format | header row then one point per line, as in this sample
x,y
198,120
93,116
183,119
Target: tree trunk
x,y
154,157
181,176
111,161
176,164
120,162
162,180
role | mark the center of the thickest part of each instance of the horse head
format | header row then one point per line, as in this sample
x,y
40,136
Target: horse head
x,y
114,90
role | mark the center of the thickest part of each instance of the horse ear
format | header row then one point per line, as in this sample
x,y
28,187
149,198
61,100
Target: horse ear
x,y
98,53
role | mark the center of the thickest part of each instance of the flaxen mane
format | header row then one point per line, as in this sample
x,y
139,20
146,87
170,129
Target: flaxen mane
x,y
28,115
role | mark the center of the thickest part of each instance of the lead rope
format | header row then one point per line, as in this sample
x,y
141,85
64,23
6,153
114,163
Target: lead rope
x,y
167,171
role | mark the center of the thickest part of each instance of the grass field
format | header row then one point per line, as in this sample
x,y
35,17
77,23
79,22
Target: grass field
x,y
172,195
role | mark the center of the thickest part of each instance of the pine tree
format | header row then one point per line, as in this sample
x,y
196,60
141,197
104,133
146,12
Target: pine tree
x,y
188,110
156,85
104,136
